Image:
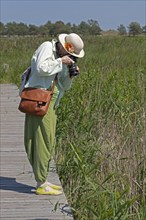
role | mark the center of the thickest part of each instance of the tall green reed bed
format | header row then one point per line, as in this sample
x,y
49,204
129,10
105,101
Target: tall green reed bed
x,y
101,132
15,54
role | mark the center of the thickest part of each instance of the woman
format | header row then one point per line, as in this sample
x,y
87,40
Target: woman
x,y
52,60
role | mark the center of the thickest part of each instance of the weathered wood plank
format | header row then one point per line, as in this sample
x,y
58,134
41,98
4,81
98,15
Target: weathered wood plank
x,y
18,200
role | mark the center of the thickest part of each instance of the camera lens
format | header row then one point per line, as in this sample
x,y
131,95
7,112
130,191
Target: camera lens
x,y
73,68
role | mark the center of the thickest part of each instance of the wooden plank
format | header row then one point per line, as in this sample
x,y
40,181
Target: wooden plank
x,y
18,200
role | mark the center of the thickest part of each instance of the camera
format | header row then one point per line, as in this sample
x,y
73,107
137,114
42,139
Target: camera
x,y
73,71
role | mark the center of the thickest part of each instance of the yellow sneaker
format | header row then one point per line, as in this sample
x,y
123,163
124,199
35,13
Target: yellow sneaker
x,y
53,186
47,190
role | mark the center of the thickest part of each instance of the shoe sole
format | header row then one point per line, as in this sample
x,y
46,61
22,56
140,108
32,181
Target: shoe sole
x,y
48,193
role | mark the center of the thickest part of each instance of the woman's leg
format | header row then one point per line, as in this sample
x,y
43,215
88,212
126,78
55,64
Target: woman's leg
x,y
39,138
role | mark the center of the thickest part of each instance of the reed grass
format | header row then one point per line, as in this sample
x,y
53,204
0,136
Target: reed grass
x,y
101,132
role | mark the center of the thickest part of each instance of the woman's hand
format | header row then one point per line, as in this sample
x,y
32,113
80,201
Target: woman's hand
x,y
66,60
78,69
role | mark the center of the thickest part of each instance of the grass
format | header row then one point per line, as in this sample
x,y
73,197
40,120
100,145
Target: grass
x,y
102,128
101,139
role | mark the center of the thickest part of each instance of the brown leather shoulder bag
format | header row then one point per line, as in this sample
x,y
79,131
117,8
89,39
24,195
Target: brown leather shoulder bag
x,y
35,101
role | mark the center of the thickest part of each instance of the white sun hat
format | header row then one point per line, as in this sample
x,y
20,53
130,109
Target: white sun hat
x,y
73,44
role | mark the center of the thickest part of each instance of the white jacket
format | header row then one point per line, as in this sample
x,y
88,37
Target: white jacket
x,y
45,66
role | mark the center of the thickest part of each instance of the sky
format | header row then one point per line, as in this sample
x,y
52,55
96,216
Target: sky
x,y
109,13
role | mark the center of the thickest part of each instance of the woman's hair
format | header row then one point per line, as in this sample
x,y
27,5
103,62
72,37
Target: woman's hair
x,y
60,51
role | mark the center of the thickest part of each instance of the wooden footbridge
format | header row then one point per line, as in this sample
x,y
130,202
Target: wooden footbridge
x,y
17,184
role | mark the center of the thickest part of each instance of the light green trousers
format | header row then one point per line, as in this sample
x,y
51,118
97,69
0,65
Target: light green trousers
x,y
39,140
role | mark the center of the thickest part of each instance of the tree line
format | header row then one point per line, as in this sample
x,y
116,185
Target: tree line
x,y
91,27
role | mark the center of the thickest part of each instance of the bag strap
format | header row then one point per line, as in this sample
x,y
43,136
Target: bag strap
x,y
54,83
28,73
